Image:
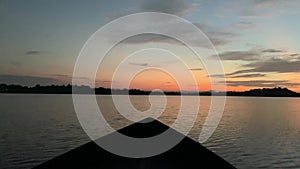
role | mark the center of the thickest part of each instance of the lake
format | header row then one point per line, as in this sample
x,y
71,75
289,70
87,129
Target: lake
x,y
255,132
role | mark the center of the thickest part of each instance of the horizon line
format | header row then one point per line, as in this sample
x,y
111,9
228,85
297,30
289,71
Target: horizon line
x,y
142,90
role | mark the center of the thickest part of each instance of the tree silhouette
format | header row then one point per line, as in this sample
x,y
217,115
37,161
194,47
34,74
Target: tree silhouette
x,y
67,89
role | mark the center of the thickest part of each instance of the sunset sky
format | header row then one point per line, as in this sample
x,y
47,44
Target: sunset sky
x,y
257,41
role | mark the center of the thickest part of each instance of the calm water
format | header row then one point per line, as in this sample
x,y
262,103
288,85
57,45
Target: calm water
x,y
253,133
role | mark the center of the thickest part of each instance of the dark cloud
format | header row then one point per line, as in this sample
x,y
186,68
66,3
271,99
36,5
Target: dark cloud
x,y
171,61
196,69
219,42
86,79
273,51
239,74
103,81
218,75
28,80
217,36
177,7
272,2
262,83
244,25
32,52
138,64
61,75
239,55
221,33
214,31
79,80
254,55
261,61
16,63
168,83
249,75
275,65
294,55
279,62
69,77
266,66
149,38
36,52
259,9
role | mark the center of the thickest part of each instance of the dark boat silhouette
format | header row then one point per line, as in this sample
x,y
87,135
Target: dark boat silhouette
x,y
187,154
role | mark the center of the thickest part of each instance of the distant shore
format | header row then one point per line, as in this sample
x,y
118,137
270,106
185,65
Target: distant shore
x,y
67,89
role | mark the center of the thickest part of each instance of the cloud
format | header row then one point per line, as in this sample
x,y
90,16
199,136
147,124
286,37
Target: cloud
x,y
219,42
214,31
16,63
272,3
138,64
79,80
103,81
239,55
61,75
262,83
239,74
255,54
294,55
150,38
176,7
69,76
36,52
258,9
168,83
244,25
273,51
275,65
217,36
265,66
170,61
248,75
32,52
196,69
28,80
258,63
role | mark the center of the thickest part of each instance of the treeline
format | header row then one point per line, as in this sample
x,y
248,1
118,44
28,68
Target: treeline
x,y
69,89
266,92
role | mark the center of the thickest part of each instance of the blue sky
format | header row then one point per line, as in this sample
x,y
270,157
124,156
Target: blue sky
x,y
42,39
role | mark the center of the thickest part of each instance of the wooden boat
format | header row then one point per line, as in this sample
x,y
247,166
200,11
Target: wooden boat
x,y
187,154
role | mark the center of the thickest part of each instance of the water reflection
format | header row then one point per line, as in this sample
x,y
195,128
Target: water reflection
x,y
253,133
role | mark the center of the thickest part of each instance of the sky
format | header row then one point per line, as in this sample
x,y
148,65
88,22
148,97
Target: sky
x,y
256,40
